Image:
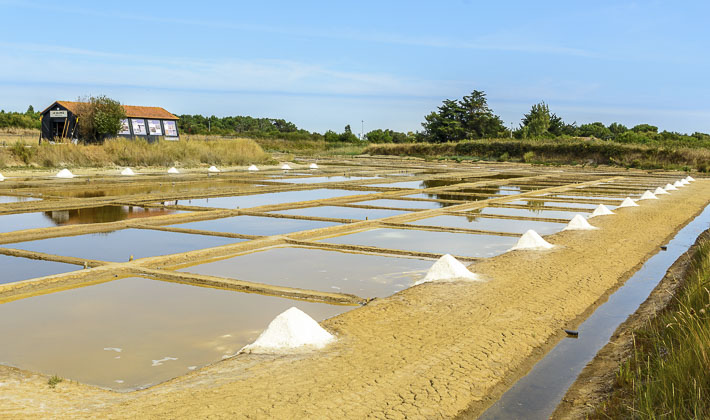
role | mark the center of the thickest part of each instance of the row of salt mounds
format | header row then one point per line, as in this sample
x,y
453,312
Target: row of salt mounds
x,y
678,184
291,330
285,167
684,181
670,187
447,269
2,178
173,170
660,191
648,195
213,169
65,173
531,240
628,202
601,210
313,166
578,222
127,172
252,168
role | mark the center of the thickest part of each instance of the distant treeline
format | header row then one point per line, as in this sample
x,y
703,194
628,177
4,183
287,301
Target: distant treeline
x,y
28,119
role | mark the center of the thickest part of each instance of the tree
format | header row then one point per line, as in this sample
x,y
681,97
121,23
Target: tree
x,y
595,129
645,128
537,120
617,129
468,118
99,117
347,135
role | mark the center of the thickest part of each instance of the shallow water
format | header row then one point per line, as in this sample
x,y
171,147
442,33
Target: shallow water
x,y
120,244
248,201
542,202
462,244
494,225
536,395
77,333
342,212
103,214
401,184
16,268
329,271
403,204
254,225
15,199
318,179
553,214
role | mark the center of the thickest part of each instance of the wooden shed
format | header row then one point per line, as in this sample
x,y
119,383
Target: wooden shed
x,y
59,120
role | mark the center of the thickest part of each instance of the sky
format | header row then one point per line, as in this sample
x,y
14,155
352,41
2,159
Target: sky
x,y
372,64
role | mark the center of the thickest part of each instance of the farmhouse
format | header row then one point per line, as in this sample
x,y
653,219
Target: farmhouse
x,y
60,120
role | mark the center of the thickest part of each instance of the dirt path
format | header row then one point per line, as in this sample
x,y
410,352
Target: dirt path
x,y
427,352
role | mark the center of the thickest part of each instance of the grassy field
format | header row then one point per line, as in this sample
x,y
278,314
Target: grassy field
x,y
569,151
124,152
669,374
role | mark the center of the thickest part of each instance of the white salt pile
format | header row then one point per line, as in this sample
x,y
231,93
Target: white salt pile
x,y
660,191
164,359
285,166
313,166
448,268
213,169
648,195
578,222
684,181
65,173
677,184
628,202
531,240
2,178
690,178
291,330
253,168
670,187
127,172
173,170
601,210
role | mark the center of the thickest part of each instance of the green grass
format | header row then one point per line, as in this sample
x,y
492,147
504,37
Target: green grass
x,y
668,375
558,151
54,380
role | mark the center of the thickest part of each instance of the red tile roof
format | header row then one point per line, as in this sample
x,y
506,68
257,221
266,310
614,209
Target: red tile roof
x,y
131,110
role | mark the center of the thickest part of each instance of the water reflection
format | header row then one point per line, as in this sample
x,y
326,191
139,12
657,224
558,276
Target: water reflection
x,y
103,214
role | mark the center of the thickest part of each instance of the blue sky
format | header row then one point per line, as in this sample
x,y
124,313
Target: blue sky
x,y
324,64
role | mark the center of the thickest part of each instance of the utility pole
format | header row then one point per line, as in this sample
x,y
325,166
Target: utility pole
x,y
511,130
362,130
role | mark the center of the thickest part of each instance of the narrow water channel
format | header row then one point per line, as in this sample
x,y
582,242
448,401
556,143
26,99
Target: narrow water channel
x,y
536,395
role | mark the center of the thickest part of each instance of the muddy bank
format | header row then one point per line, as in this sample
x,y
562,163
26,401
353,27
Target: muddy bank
x,y
429,351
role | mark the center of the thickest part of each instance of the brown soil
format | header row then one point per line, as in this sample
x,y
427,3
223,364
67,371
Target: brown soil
x,y
595,384
430,351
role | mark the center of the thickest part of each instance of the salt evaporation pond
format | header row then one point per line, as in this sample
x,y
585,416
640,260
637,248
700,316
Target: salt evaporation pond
x,y
103,214
542,202
400,184
462,244
342,212
551,214
330,271
17,268
255,225
255,200
319,179
404,204
489,224
119,245
135,330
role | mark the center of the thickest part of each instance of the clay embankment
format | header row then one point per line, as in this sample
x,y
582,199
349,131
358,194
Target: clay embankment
x,y
428,351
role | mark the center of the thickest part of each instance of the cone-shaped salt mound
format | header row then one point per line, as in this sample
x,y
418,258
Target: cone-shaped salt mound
x,y
448,268
628,202
578,222
65,173
213,169
253,168
648,195
689,178
285,166
660,191
678,184
601,210
292,330
127,172
313,166
670,187
684,181
2,178
173,170
531,240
